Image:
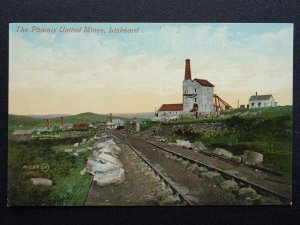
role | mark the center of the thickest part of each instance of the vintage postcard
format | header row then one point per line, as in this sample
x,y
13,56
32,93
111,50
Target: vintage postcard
x,y
150,114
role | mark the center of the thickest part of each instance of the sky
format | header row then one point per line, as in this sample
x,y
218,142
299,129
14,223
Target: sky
x,y
54,70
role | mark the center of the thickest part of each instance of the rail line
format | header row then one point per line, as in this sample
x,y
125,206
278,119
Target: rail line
x,y
163,178
241,181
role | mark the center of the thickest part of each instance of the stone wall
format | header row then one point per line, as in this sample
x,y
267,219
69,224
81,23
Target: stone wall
x,y
192,128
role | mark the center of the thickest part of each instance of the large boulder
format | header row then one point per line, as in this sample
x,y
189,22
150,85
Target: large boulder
x,y
247,193
252,158
41,181
229,185
198,146
69,150
99,165
110,177
184,144
223,152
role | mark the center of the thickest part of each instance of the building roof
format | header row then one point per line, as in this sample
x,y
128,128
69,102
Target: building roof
x,y
171,107
260,97
204,82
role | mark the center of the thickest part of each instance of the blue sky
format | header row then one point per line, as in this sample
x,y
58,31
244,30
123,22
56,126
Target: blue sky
x,y
239,59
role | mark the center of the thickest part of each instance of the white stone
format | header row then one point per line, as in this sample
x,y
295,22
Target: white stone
x,y
252,158
41,181
96,165
110,177
68,150
223,152
184,144
76,144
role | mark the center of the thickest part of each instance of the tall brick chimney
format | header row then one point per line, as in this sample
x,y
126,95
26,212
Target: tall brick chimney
x,y
48,124
110,117
188,75
61,121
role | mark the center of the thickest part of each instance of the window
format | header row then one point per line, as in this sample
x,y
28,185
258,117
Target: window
x,y
195,99
252,104
258,104
195,90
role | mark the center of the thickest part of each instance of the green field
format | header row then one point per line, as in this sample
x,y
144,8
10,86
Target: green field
x,y
268,132
69,187
16,122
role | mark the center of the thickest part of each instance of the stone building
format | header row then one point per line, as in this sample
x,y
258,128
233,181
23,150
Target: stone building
x,y
197,97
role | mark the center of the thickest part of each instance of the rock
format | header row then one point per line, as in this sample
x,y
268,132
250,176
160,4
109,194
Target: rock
x,y
223,152
110,177
198,146
107,158
252,158
211,174
200,170
96,165
96,138
81,150
89,148
192,167
247,193
82,172
69,150
184,144
41,181
229,185
75,154
237,159
83,141
183,189
76,144
184,163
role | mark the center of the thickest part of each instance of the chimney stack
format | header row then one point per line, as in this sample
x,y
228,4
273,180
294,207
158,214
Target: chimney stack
x,y
62,121
187,70
110,117
48,124
256,93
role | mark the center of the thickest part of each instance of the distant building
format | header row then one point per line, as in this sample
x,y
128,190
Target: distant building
x,y
114,123
260,101
168,111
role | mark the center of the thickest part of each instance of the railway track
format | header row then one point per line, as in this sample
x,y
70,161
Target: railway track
x,y
163,178
241,181
260,189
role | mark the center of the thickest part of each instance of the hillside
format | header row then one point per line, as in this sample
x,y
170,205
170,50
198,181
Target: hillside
x,y
28,122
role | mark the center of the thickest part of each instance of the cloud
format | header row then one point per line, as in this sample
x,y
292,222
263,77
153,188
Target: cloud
x,y
152,62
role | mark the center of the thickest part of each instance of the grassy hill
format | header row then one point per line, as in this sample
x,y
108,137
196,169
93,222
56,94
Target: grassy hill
x,y
27,122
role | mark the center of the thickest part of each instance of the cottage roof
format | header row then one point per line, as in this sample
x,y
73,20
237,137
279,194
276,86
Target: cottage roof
x,y
171,107
204,82
260,97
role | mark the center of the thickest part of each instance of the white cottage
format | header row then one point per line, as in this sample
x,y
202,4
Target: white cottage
x,y
260,101
197,97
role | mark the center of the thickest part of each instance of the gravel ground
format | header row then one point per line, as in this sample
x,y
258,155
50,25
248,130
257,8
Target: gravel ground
x,y
201,190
